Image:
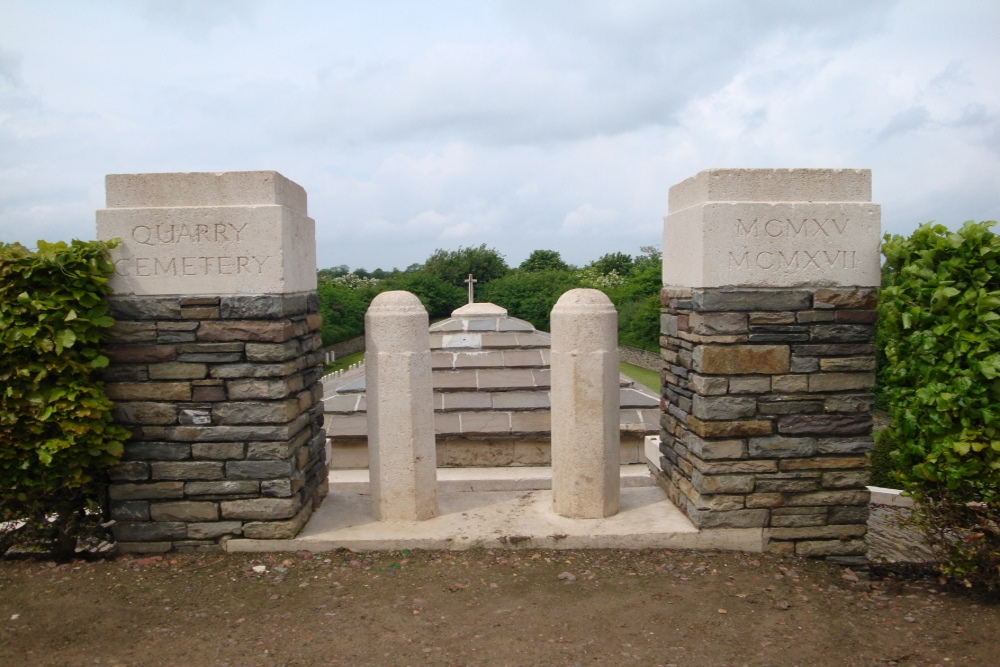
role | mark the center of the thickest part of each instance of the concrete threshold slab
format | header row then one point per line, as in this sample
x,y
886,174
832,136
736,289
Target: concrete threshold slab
x,y
507,478
503,518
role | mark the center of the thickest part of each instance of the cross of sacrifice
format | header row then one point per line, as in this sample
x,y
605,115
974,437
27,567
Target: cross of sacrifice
x,y
470,281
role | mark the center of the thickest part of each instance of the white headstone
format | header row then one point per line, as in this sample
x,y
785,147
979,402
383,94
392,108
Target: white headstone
x,y
772,228
208,233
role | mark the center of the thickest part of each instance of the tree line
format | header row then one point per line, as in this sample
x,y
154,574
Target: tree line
x,y
528,291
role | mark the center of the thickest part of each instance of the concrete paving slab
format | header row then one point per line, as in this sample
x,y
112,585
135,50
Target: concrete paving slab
x,y
512,518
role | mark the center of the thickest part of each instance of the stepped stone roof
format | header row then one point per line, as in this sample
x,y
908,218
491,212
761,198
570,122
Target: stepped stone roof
x,y
491,379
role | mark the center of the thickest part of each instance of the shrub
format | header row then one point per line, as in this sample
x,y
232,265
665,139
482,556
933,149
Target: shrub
x,y
939,309
56,432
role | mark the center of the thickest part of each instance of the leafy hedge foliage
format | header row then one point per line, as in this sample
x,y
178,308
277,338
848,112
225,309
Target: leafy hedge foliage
x,y
940,311
56,432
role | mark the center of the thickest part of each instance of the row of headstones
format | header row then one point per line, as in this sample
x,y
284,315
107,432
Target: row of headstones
x,y
585,447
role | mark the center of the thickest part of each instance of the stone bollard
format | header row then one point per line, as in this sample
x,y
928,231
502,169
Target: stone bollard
x,y
403,460
585,405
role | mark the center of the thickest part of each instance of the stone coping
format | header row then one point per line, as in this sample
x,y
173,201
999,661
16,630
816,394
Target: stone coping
x,y
893,497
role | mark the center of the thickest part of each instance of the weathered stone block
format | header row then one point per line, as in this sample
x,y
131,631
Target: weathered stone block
x,y
132,332
852,497
741,359
186,470
130,510
184,511
261,509
758,500
780,446
825,462
747,518
146,491
208,394
841,333
840,381
145,412
222,488
767,485
797,520
838,532
256,412
152,531
850,403
177,371
214,530
845,445
219,451
729,429
708,385
723,407
734,467
824,424
751,299
714,324
779,406
804,364
259,469
722,483
271,451
246,330
156,451
750,384
809,548
865,298
250,388
140,354
272,351
148,391
279,488
849,514
129,471
790,384
841,479
278,530
248,370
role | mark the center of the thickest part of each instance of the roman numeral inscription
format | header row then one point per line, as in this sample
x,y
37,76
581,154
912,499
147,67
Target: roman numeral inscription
x,y
795,259
777,228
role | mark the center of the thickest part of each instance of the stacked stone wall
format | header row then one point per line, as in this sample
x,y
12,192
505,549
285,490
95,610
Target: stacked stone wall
x,y
767,412
222,395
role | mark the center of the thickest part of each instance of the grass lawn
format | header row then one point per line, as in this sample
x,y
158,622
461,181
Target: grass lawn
x,y
643,376
344,362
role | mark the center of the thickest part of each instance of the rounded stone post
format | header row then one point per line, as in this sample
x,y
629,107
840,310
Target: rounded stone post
x,y
585,405
402,456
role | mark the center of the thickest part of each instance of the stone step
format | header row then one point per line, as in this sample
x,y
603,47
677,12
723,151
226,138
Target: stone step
x,y
519,478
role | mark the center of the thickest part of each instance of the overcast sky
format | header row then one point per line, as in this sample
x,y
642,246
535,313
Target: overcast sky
x,y
556,124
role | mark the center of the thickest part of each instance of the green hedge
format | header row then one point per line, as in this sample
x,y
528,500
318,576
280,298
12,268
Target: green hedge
x,y
940,313
56,431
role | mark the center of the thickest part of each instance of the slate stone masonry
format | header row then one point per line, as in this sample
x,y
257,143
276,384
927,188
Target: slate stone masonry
x,y
767,412
223,398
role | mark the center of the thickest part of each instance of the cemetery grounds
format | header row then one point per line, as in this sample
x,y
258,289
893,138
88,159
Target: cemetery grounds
x,y
483,607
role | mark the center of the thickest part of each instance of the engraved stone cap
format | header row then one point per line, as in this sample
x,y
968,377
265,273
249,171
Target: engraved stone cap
x,y
241,232
772,228
227,188
772,185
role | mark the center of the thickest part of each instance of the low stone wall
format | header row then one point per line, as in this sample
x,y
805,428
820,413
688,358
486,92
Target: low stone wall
x,y
222,395
346,347
651,361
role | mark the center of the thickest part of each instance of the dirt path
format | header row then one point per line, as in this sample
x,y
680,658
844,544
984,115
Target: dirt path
x,y
482,608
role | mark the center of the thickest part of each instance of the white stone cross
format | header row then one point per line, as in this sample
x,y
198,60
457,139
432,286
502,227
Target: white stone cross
x,y
470,281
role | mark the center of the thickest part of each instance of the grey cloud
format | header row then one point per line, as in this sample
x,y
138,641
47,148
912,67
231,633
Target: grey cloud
x,y
905,121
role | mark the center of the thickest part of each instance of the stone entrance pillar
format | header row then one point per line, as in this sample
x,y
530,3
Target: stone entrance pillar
x,y
767,335
586,473
401,449
214,358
